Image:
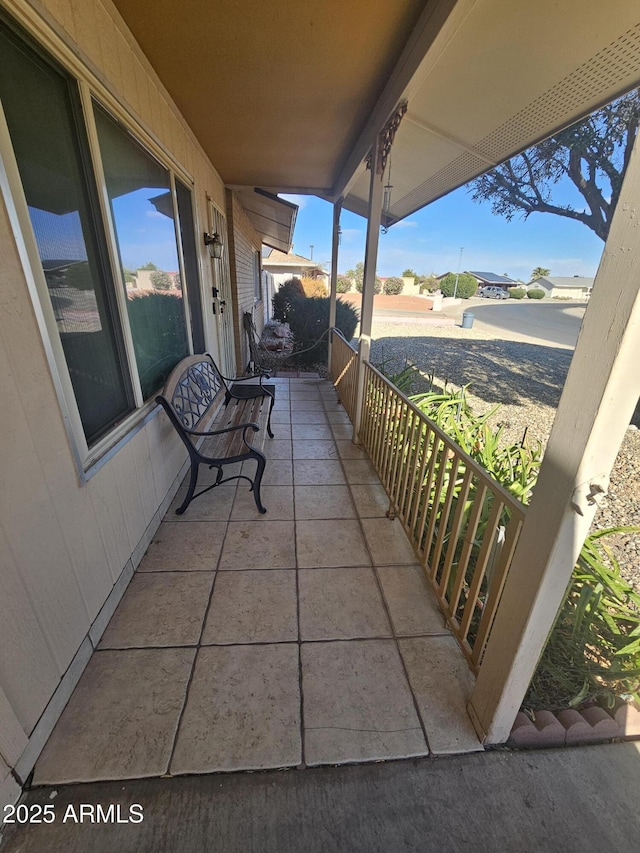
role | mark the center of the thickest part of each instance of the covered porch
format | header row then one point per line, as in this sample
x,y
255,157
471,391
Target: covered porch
x,y
310,636
307,636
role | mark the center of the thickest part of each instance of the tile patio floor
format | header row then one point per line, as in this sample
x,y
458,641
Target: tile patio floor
x,y
305,636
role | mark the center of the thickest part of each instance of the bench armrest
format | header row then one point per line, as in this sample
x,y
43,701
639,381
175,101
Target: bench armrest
x,y
263,374
210,432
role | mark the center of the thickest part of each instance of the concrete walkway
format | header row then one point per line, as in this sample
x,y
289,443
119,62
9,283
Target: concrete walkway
x,y
582,800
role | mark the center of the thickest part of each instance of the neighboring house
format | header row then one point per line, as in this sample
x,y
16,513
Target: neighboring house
x,y
284,265
564,287
492,279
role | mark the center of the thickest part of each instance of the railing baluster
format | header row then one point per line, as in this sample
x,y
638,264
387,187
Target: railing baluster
x,y
444,515
494,592
400,437
410,466
427,436
433,516
481,566
455,533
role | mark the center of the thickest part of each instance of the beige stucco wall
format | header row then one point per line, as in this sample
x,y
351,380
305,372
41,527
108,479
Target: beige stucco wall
x,y
65,546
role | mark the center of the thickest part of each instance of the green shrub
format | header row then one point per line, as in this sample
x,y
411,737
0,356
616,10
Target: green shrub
x,y
517,293
393,286
309,319
291,289
161,280
377,287
343,284
427,284
535,293
466,287
159,336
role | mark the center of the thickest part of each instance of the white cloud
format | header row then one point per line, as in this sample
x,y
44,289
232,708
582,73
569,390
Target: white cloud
x,y
300,200
404,223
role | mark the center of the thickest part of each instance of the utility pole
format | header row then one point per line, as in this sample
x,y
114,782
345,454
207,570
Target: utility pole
x,y
455,289
311,247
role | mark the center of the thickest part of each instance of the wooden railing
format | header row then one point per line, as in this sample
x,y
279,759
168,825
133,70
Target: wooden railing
x,y
462,524
344,371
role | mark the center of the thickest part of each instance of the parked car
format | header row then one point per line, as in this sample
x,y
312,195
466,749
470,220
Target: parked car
x,y
491,292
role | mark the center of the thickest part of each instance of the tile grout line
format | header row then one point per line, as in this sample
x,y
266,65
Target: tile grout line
x,y
384,601
198,646
303,756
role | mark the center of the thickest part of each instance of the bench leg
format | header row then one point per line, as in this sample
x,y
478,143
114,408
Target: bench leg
x,y
261,460
192,487
273,399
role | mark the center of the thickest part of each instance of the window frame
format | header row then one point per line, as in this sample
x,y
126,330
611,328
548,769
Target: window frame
x,y
86,88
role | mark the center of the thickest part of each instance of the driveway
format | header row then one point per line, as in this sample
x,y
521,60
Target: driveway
x,y
555,324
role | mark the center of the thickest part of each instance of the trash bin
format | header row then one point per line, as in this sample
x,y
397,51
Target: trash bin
x,y
467,320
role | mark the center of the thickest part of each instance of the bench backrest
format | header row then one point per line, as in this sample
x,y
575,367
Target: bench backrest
x,y
193,390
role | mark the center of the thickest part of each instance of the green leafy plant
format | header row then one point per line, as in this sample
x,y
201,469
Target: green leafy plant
x,y
403,379
535,293
393,286
517,293
309,323
283,299
343,284
593,651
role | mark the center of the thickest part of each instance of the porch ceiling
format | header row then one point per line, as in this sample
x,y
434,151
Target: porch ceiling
x,y
276,92
289,95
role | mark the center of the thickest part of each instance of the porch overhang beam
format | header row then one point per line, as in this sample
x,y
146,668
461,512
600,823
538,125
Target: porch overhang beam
x,y
436,25
598,400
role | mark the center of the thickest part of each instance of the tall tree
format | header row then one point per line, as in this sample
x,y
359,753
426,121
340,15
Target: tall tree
x,y
539,272
593,154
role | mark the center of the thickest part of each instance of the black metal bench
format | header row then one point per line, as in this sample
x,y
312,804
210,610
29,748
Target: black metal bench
x,y
218,418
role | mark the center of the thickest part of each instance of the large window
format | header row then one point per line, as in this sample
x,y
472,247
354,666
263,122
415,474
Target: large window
x,y
40,111
115,274
139,190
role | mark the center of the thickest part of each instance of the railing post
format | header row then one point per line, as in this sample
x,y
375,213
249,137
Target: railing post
x,y
376,192
335,242
599,396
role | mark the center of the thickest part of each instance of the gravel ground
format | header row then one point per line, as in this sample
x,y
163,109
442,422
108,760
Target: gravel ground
x,y
527,380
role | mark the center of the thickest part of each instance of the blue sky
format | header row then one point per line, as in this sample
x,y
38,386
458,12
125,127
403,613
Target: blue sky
x,y
430,240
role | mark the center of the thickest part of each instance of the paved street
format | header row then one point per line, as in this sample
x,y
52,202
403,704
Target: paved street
x,y
554,323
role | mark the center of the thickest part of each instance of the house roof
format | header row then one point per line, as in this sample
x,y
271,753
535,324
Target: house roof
x,y
253,80
492,278
566,281
287,259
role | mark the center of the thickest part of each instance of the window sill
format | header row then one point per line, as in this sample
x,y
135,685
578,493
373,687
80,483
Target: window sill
x,y
111,444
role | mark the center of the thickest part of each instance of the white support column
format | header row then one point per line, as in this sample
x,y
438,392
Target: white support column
x,y
337,209
376,193
601,391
